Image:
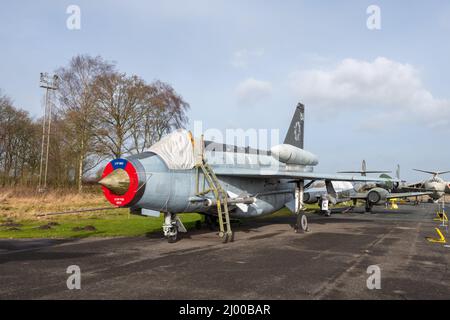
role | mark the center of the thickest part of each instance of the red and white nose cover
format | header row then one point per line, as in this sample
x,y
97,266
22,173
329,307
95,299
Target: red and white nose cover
x,y
121,200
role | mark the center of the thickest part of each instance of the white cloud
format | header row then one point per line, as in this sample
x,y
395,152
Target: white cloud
x,y
241,58
252,91
388,88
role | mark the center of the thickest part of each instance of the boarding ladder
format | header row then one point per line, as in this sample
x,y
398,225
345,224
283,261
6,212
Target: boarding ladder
x,y
220,197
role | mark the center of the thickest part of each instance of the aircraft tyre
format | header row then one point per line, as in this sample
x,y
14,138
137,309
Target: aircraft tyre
x,y
301,223
173,237
170,227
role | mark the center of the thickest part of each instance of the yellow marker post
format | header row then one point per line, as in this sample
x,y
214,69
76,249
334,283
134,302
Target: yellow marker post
x,y
444,220
441,238
442,217
394,205
438,216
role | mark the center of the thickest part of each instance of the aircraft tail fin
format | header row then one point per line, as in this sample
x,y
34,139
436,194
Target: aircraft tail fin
x,y
295,134
364,170
397,172
434,173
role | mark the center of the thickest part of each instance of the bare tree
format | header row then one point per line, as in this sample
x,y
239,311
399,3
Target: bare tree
x,y
77,100
133,115
119,99
162,110
101,114
18,144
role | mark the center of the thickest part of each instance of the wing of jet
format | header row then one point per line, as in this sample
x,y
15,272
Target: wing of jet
x,y
379,196
407,194
388,195
268,173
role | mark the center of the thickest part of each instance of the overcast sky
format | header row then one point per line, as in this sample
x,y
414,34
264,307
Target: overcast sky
x,y
380,95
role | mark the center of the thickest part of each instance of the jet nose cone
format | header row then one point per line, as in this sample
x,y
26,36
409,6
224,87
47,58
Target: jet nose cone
x,y
118,182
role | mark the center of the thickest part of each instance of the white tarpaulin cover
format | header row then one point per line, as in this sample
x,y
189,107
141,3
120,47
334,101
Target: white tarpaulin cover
x,y
176,150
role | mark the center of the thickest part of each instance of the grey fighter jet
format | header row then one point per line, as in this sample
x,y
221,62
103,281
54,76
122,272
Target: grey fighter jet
x,y
181,173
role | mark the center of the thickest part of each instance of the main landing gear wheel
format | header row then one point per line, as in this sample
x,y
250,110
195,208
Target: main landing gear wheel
x,y
302,223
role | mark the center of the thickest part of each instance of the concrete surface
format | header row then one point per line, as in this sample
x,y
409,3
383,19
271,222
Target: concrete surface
x,y
266,261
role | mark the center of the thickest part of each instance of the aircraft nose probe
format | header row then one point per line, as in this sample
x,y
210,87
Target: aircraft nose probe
x,y
118,182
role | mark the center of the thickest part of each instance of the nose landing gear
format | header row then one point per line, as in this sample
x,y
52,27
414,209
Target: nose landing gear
x,y
172,225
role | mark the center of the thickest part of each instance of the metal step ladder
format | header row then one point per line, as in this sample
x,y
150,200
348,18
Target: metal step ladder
x,y
220,196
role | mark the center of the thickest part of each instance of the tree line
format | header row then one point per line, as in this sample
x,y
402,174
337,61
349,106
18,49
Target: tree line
x,y
99,113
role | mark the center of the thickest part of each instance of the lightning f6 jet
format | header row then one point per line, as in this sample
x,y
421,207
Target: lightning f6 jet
x,y
181,173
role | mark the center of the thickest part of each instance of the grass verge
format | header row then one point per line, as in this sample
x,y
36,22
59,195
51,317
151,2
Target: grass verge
x,y
110,224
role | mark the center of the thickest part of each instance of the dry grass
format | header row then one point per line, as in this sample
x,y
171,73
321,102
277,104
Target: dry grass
x,y
19,220
26,203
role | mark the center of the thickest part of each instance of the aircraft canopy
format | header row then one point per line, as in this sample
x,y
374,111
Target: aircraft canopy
x,y
176,149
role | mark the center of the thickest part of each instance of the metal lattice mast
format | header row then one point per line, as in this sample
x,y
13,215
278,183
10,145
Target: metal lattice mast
x,y
48,84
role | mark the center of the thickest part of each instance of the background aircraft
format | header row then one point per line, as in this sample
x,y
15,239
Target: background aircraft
x,y
372,194
379,196
435,184
389,184
364,170
183,174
